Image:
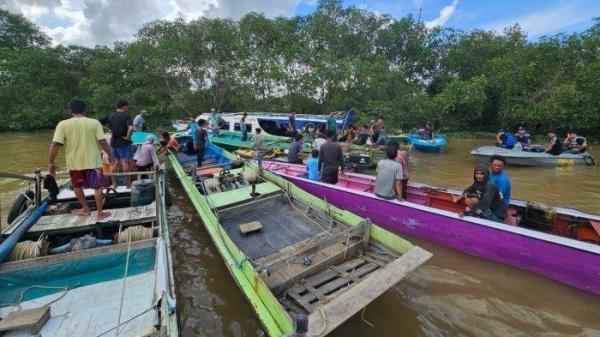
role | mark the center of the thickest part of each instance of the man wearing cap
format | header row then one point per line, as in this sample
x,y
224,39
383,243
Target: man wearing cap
x,y
139,123
148,158
524,138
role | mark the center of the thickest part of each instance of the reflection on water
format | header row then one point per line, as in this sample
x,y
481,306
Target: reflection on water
x,y
452,295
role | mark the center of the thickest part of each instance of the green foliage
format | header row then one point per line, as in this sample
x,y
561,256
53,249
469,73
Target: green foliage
x,y
334,59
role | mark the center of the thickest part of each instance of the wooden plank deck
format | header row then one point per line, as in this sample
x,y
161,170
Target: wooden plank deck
x,y
236,196
70,222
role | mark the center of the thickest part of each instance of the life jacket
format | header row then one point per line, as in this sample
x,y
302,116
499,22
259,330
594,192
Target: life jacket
x,y
509,140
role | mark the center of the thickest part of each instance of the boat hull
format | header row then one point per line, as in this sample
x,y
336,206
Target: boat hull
x,y
525,158
574,267
434,145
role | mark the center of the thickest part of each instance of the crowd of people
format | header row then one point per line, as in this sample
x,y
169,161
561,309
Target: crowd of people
x,y
573,143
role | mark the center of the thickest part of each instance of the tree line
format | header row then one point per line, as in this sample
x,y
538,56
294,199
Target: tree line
x,y
333,59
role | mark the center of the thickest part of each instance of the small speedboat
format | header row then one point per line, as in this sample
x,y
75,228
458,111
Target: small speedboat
x,y
528,158
427,145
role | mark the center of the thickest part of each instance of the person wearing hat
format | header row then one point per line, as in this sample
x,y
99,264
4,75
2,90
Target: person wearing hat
x,y
482,198
139,123
524,138
148,159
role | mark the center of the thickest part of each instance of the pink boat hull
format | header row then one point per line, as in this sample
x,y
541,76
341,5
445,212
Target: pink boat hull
x,y
565,260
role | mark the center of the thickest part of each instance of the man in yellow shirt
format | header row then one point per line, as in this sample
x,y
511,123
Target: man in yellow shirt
x,y
80,136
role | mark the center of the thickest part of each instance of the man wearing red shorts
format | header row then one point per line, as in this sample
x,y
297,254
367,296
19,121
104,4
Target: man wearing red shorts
x,y
80,136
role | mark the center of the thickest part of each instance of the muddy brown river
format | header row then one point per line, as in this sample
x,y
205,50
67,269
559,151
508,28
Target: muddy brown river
x,y
453,294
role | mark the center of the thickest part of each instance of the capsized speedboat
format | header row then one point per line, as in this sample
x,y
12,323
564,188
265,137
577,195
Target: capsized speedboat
x,y
517,156
560,243
304,265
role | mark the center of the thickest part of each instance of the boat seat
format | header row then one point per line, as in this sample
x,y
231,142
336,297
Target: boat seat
x,y
67,194
63,223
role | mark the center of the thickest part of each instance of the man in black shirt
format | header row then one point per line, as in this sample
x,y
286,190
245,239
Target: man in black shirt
x,y
201,137
331,158
121,128
555,146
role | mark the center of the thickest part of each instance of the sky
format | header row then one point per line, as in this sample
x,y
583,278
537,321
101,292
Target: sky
x,y
103,22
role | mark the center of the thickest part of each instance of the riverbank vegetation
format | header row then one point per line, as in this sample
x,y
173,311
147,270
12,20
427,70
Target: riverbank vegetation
x,y
334,59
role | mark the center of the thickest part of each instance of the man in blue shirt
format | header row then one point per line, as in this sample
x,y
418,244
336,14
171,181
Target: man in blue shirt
x,y
312,166
500,179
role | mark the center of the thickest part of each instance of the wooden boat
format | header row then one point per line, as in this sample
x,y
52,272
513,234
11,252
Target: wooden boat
x,y
519,157
433,145
560,243
294,256
69,275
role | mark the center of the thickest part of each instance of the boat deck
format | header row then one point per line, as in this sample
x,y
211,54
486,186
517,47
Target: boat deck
x,y
93,310
282,225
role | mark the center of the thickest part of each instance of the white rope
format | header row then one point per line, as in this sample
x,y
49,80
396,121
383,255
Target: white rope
x,y
26,250
123,287
135,233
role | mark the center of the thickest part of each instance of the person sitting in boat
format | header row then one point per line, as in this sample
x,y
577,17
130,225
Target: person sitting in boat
x,y
482,198
505,139
555,147
349,134
168,142
574,143
318,141
362,136
389,175
295,150
312,166
383,139
258,143
500,178
428,132
524,138
375,128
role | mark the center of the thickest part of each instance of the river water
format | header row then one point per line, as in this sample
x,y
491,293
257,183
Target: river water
x,y
451,295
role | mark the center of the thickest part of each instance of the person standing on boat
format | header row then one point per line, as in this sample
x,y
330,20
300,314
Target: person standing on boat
x,y
244,127
295,150
500,178
389,175
192,127
402,159
121,127
331,158
80,136
200,142
215,121
292,118
139,123
332,125
482,198
555,147
148,159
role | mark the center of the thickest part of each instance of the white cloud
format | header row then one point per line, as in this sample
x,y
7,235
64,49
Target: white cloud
x,y
91,22
550,20
445,14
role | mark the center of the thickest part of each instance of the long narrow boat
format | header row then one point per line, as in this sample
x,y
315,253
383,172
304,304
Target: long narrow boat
x,y
296,258
71,275
560,243
519,157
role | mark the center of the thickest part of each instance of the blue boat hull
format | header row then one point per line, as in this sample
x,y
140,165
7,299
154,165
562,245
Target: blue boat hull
x,y
434,145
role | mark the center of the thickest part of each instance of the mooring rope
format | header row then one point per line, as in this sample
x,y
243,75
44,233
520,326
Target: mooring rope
x,y
136,233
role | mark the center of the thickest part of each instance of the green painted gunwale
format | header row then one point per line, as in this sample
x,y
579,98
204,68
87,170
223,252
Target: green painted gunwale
x,y
270,312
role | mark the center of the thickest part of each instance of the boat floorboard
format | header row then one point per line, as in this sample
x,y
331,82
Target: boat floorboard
x,y
282,225
93,310
69,222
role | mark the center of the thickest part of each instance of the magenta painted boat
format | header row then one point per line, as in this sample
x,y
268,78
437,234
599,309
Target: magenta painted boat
x,y
560,243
